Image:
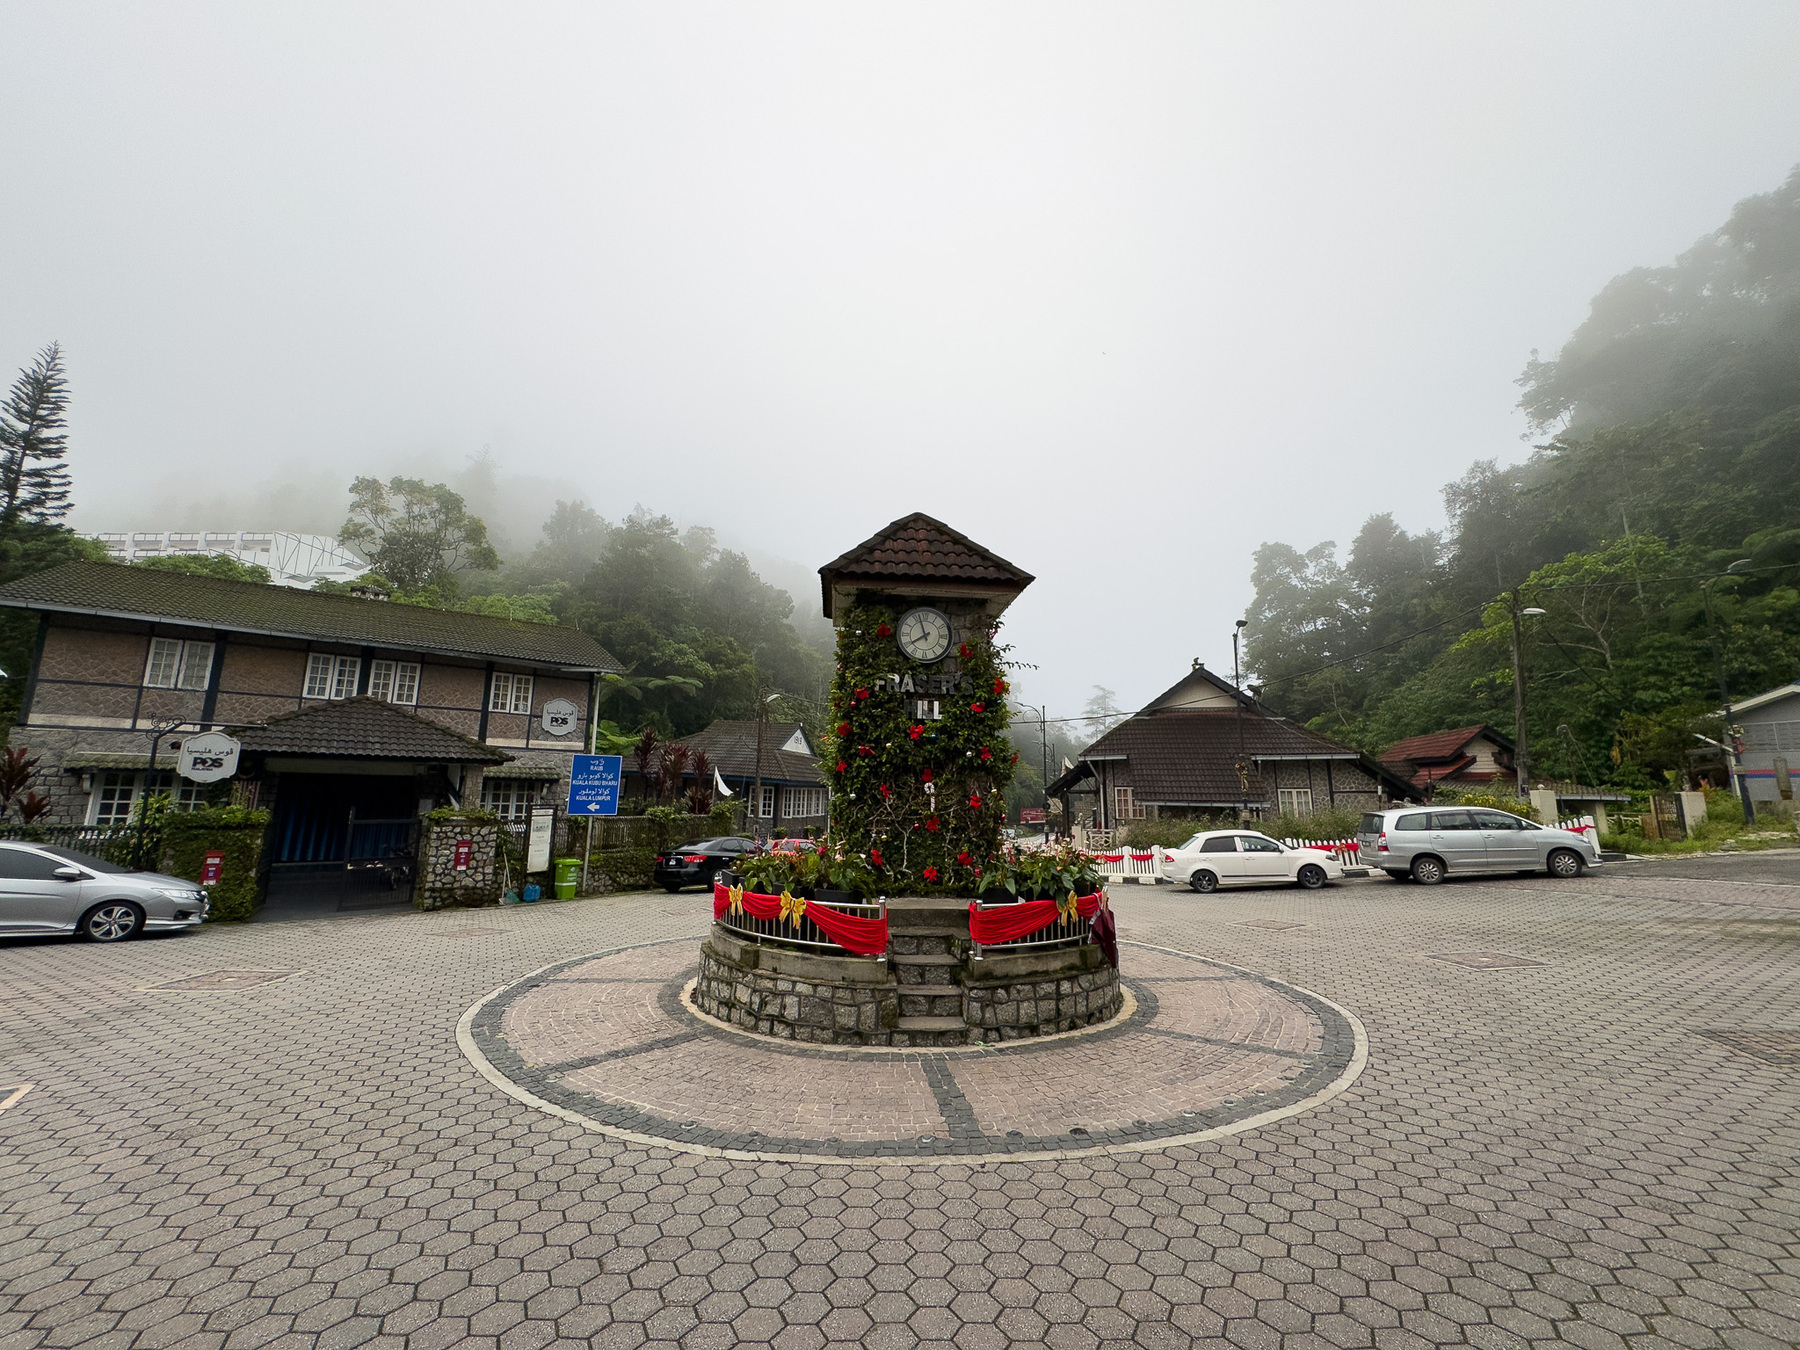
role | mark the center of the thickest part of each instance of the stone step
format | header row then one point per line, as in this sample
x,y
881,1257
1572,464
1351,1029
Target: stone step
x,y
924,959
931,990
932,1024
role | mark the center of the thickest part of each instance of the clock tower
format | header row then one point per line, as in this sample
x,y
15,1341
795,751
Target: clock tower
x,y
921,762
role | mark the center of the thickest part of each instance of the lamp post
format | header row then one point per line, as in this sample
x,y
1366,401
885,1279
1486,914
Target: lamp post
x,y
762,709
1237,688
1521,748
1733,746
158,730
1044,750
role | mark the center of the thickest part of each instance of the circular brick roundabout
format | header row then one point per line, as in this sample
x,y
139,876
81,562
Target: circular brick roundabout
x,y
1202,1049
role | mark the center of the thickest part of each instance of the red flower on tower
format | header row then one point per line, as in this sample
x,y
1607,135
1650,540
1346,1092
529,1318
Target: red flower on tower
x,y
975,801
986,753
862,693
932,824
842,766
884,631
999,686
978,707
931,874
843,728
865,750
916,732
875,856
886,792
965,858
965,651
925,777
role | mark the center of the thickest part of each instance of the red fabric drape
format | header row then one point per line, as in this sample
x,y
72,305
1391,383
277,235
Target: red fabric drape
x,y
1009,923
865,937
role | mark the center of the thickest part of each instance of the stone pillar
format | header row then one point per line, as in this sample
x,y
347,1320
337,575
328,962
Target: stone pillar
x,y
1543,803
1693,810
440,883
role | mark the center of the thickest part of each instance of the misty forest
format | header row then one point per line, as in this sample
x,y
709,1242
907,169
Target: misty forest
x,y
1656,526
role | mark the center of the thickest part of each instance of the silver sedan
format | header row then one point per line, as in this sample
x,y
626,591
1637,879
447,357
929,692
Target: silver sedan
x,y
45,888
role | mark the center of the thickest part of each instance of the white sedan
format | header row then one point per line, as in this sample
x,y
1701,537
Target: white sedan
x,y
1218,858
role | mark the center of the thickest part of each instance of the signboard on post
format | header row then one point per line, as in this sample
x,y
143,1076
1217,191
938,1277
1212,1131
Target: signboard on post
x,y
537,839
558,717
594,785
212,867
208,757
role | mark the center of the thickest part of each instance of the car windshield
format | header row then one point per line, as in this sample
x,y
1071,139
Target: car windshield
x,y
80,859
1194,842
714,844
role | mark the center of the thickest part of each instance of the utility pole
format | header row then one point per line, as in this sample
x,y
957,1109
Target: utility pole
x,y
1734,755
762,708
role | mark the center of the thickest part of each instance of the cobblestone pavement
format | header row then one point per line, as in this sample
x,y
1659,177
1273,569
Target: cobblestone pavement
x,y
1198,1048
1550,1153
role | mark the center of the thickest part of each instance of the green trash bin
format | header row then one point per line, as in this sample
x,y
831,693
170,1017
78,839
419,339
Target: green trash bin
x,y
568,876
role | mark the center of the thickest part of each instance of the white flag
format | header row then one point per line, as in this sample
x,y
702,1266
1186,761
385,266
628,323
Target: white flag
x,y
719,783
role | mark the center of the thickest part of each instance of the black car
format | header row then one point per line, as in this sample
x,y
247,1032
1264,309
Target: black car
x,y
697,864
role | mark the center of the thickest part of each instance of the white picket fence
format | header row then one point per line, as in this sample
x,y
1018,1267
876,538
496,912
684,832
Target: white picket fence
x,y
1346,851
1125,863
1578,824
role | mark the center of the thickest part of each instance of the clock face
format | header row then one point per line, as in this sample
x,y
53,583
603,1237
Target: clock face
x,y
924,635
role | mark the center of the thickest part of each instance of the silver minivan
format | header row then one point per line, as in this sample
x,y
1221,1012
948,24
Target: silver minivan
x,y
45,888
1429,843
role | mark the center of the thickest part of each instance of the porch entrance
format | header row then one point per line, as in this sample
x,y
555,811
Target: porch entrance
x,y
342,843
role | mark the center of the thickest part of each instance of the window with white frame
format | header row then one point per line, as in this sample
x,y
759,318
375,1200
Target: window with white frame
x,y
175,664
511,693
394,681
508,798
331,676
115,795
1125,806
765,808
799,802
1294,801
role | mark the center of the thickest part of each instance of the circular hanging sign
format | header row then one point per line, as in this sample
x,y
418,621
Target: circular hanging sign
x,y
208,757
559,717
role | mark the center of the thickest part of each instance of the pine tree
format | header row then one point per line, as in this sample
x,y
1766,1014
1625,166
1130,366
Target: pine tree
x,y
34,475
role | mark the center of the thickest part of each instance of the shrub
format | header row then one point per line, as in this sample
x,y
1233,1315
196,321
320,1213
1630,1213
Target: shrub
x,y
238,833
1167,833
1332,823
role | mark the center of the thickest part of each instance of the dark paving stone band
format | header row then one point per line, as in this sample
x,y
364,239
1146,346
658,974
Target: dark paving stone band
x,y
1336,1064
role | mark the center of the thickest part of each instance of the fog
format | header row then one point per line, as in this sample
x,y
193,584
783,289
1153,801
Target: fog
x,y
1120,291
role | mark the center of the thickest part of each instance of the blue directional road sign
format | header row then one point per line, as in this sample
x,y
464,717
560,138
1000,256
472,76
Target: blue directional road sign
x,y
594,785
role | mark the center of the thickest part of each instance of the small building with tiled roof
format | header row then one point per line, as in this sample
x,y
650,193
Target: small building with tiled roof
x,y
1203,747
1466,757
794,786
351,712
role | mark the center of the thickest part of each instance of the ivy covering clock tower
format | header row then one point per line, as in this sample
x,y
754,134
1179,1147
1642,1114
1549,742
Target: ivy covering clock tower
x,y
921,763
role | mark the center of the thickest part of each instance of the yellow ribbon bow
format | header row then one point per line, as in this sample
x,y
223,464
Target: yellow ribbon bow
x,y
736,895
1067,908
791,909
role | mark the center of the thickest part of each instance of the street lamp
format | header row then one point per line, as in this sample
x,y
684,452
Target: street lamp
x,y
1521,750
1237,689
1044,749
1733,747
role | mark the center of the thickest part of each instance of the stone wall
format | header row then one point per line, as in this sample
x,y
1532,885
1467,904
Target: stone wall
x,y
795,995
1016,1008
439,884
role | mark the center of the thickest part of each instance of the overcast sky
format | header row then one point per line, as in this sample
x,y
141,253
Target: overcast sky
x,y
1122,291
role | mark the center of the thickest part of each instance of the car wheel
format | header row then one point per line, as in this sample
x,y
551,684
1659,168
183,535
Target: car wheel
x,y
1564,863
113,921
1312,876
1427,871
1204,881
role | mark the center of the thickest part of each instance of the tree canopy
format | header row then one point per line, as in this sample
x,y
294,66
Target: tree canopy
x,y
416,534
1674,414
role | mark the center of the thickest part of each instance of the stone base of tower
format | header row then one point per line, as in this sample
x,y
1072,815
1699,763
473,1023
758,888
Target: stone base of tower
x,y
930,989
